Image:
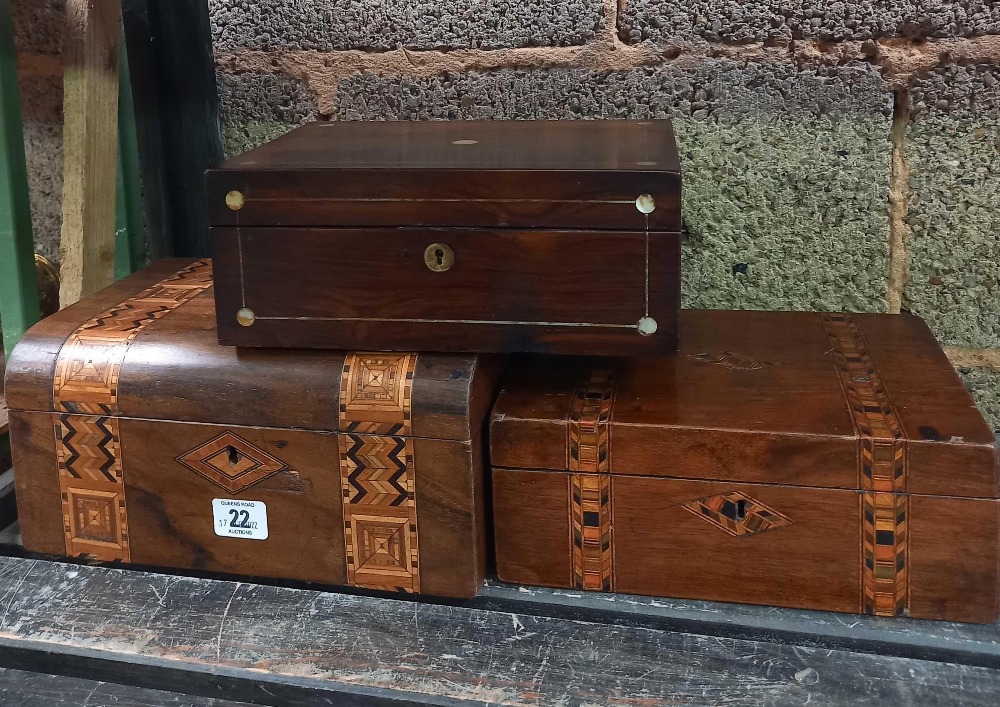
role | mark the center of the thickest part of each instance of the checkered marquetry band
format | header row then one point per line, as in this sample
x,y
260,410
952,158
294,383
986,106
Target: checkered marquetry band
x,y
883,470
589,444
85,400
376,471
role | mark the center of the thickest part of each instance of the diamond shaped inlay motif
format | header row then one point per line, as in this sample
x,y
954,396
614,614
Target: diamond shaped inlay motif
x,y
231,462
737,514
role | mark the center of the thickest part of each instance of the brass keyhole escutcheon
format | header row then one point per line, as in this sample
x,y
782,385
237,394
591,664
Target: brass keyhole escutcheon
x,y
439,257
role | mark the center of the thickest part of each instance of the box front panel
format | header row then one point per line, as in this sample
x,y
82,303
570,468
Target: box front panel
x,y
369,510
173,472
547,291
776,545
744,543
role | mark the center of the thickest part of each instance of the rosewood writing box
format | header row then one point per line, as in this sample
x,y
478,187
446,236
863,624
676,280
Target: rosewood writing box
x,y
536,236
137,437
821,461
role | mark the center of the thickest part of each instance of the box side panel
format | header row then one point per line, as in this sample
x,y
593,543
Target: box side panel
x,y
36,482
943,469
525,443
952,451
953,559
443,396
531,516
173,471
450,518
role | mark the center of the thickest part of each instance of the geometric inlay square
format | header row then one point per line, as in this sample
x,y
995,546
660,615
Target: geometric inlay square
x,y
381,545
231,462
737,514
95,515
377,380
382,551
375,392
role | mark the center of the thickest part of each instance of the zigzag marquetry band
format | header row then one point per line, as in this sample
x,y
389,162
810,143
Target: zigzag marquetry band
x,y
376,471
589,437
882,469
85,398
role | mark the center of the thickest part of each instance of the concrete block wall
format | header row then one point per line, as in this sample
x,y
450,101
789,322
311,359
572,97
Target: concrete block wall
x,y
838,154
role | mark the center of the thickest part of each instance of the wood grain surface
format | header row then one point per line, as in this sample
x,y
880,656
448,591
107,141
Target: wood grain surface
x,y
488,174
780,458
208,637
553,237
756,396
577,292
140,379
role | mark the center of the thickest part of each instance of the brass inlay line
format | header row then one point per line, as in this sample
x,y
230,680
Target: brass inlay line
x,y
445,321
630,202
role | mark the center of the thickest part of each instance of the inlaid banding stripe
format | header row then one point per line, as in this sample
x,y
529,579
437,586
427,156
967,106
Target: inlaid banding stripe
x,y
882,470
589,455
85,398
376,471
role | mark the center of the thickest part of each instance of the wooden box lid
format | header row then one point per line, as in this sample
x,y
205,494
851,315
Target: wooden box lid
x,y
493,174
823,400
147,347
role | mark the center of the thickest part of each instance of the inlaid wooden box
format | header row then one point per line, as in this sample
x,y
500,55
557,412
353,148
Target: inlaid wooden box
x,y
538,236
820,461
137,437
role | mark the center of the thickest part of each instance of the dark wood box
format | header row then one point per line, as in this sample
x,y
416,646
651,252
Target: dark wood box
x,y
128,421
528,236
821,461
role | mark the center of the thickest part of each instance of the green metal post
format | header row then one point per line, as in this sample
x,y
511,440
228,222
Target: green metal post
x,y
18,284
130,242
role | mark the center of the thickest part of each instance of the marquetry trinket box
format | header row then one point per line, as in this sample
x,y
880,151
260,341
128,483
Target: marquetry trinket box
x,y
496,236
137,437
820,461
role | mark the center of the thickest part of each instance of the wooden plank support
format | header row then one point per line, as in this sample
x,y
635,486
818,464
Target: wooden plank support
x,y
130,243
90,150
18,285
281,646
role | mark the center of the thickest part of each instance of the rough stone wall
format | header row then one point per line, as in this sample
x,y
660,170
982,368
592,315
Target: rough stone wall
x,y
838,154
